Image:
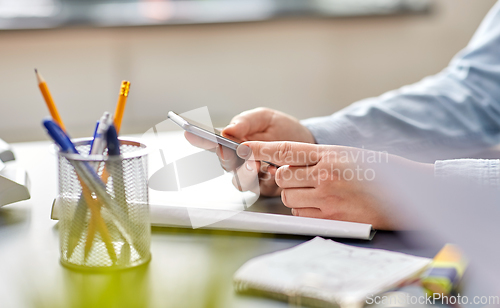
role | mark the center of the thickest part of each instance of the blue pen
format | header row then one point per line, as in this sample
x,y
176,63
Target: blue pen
x,y
64,142
115,167
116,170
94,137
60,138
77,226
112,140
98,142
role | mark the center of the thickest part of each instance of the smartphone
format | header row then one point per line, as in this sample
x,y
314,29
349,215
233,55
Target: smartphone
x,y
205,132
202,131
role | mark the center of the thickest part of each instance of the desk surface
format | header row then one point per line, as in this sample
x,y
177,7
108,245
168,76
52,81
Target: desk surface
x,y
189,268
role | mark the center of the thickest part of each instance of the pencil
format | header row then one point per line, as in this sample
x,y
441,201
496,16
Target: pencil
x,y
118,116
98,223
48,100
120,106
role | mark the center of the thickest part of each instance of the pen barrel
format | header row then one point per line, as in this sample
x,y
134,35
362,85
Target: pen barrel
x,y
104,220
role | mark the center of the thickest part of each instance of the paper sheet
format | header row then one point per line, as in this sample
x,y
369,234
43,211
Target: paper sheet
x,y
258,222
175,216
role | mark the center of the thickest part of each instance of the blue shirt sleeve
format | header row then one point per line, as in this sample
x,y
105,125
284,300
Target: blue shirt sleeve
x,y
452,114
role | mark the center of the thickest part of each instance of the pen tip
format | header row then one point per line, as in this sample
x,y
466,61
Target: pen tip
x,y
36,71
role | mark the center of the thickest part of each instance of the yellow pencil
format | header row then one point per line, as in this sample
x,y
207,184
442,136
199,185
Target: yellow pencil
x,y
48,100
120,106
97,221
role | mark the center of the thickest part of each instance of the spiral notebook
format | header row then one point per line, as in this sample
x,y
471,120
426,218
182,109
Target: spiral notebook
x,y
323,273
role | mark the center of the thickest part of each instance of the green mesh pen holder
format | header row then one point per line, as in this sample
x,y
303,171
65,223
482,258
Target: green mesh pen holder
x,y
104,222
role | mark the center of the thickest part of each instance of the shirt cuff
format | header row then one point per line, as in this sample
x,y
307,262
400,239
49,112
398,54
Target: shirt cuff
x,y
329,131
484,172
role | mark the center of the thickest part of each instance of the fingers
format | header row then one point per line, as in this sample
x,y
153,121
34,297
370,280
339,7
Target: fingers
x,y
297,177
267,181
245,178
263,183
281,153
228,158
298,200
271,169
248,123
311,212
268,187
200,142
298,197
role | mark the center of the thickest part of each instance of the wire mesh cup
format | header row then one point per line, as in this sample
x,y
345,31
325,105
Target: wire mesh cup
x,y
104,222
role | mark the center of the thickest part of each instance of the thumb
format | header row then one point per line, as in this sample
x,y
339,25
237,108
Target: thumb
x,y
238,130
248,123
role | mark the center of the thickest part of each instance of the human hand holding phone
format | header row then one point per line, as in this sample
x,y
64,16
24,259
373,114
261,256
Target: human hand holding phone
x,y
261,124
264,124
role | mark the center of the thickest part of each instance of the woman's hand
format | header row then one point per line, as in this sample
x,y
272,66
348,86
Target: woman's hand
x,y
333,182
261,124
264,124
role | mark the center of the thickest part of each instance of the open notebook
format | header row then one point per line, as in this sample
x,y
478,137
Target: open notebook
x,y
324,273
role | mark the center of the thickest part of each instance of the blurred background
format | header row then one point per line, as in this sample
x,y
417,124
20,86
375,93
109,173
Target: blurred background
x,y
304,57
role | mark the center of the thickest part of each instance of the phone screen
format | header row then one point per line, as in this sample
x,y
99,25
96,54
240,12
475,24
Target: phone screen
x,y
209,129
224,142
